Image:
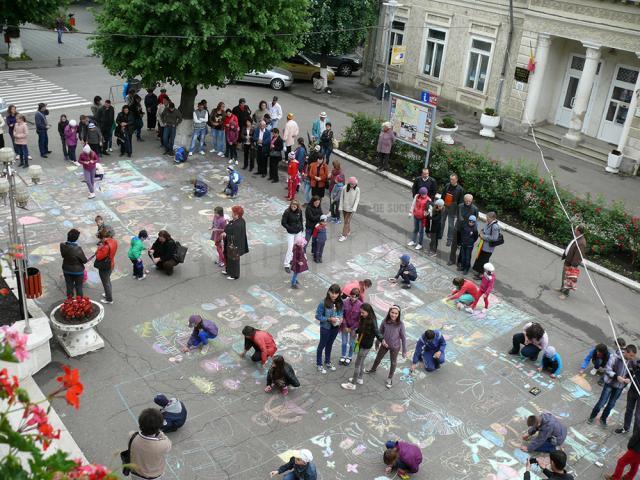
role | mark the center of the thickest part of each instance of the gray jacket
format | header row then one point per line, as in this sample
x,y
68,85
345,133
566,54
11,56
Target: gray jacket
x,y
491,232
615,368
550,429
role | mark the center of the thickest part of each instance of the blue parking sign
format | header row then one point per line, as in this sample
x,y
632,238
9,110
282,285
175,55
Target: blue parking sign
x,y
425,96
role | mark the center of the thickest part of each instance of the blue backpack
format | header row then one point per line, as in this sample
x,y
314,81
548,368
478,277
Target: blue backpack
x,y
200,188
181,155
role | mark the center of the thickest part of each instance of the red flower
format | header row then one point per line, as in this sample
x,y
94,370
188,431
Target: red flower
x,y
38,415
4,291
71,382
8,385
19,255
47,433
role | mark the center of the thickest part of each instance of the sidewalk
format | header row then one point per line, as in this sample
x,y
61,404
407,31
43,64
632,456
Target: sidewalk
x,y
575,175
41,45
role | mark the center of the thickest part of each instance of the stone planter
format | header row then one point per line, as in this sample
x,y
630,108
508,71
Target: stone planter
x,y
80,338
489,122
614,160
446,134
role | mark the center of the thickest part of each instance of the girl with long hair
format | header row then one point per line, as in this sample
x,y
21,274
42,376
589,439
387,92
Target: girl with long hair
x,y
393,339
366,333
281,375
329,314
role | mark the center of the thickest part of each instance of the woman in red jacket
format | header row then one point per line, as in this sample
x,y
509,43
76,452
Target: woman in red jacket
x,y
262,342
105,261
231,133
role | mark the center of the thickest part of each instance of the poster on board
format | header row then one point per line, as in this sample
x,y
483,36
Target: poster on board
x,y
412,121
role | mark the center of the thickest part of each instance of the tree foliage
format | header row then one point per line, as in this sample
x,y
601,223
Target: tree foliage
x,y
216,39
339,26
14,13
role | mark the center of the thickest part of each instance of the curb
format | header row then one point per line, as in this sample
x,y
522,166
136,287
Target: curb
x,y
594,267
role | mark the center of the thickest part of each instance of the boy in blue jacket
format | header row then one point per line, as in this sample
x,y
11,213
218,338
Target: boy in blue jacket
x,y
551,362
429,350
407,272
203,331
173,411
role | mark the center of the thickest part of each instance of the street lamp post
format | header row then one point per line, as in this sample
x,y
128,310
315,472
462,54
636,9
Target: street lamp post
x,y
391,6
7,157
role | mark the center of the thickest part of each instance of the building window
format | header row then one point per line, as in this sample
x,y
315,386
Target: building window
x,y
478,68
434,57
397,36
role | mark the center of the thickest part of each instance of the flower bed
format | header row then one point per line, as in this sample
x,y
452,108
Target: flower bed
x,y
517,193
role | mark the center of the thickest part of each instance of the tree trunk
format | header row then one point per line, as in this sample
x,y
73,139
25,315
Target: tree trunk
x,y
187,101
15,47
323,70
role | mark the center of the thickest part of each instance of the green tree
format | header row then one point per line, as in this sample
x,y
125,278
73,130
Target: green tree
x,y
338,27
196,43
13,14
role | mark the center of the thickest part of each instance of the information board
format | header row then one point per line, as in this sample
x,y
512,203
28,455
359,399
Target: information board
x,y
412,121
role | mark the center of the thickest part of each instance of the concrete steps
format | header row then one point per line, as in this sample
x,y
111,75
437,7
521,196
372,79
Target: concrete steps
x,y
588,151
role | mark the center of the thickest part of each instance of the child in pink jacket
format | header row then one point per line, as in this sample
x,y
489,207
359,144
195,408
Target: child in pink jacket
x,y
217,228
351,319
486,285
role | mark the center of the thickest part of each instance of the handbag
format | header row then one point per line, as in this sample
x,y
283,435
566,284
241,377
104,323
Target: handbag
x,y
498,241
105,263
232,251
125,456
181,252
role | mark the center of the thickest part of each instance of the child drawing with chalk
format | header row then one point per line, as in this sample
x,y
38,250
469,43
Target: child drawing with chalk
x,y
464,294
551,362
281,376
404,457
203,331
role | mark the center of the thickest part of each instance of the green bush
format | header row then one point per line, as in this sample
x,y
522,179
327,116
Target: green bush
x,y
515,192
447,122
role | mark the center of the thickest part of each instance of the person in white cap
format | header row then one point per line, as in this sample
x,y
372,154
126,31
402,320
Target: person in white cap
x,y
89,159
71,139
319,126
486,285
551,362
300,467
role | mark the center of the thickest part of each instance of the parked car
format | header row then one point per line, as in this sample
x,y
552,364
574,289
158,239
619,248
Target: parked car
x,y
277,78
303,68
3,106
344,65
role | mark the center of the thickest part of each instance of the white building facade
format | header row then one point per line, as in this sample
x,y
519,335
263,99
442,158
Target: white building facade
x,y
582,94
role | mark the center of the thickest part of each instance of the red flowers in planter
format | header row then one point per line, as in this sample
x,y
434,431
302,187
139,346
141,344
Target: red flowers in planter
x,y
76,308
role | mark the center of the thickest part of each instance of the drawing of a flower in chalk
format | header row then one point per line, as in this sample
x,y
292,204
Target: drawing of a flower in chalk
x,y
380,422
202,384
325,413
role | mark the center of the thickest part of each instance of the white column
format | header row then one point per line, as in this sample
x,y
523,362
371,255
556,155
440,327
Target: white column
x,y
536,82
583,93
633,104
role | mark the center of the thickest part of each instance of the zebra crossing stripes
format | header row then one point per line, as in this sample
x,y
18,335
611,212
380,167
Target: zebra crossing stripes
x,y
25,90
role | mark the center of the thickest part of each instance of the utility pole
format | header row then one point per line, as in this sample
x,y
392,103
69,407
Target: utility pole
x,y
392,6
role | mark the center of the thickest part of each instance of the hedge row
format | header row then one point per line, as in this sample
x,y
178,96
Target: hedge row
x,y
516,192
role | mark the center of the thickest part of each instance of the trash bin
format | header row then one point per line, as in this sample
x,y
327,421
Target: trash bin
x,y
33,283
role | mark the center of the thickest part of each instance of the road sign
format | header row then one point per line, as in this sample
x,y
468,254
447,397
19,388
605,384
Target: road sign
x,y
424,97
398,53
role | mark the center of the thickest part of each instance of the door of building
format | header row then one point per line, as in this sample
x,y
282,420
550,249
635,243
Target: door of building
x,y
568,92
617,108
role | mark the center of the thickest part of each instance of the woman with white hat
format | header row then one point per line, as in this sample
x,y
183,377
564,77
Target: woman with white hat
x,y
300,467
89,159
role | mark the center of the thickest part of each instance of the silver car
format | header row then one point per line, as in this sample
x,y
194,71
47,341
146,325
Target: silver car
x,y
277,78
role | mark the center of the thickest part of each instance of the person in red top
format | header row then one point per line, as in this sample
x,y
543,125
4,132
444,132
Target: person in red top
x,y
293,179
231,133
361,285
107,248
262,342
465,293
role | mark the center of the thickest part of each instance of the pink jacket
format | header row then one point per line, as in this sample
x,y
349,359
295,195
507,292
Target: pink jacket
x,y
71,135
89,160
217,228
385,141
351,314
20,132
486,284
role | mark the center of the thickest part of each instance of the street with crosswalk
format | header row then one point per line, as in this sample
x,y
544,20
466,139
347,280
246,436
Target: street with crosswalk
x,y
25,90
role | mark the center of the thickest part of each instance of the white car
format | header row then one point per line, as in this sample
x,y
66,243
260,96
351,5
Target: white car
x,y
277,78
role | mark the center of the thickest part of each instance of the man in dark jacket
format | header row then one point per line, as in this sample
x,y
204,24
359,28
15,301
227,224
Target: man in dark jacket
x,y
558,462
41,129
572,256
632,411
292,223
73,260
171,117
551,433
467,234
105,118
242,112
151,106
452,194
465,210
425,181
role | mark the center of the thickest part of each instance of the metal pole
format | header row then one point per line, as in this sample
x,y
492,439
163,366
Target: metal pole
x,y
16,239
506,59
431,130
391,12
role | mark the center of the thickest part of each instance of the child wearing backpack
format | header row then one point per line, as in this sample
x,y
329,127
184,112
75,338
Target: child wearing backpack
x,y
298,261
135,254
319,236
231,189
335,199
217,228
